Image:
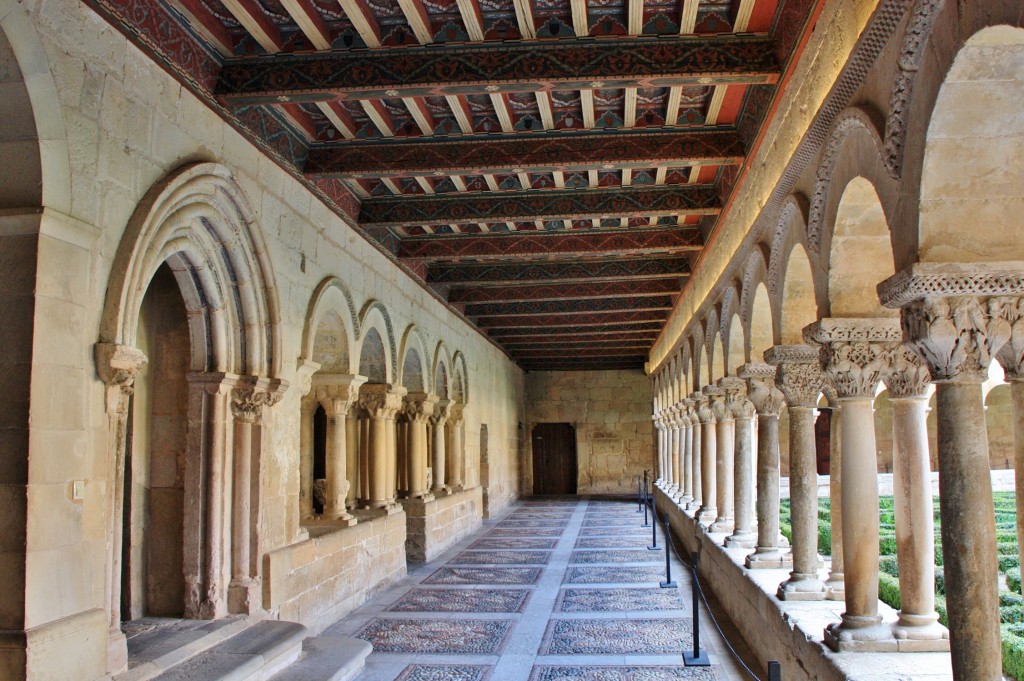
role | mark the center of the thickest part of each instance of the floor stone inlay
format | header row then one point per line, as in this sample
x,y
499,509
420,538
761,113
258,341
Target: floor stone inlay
x,y
617,600
501,558
462,600
616,636
512,543
488,575
616,556
525,532
595,673
445,672
615,531
530,523
613,542
467,637
614,575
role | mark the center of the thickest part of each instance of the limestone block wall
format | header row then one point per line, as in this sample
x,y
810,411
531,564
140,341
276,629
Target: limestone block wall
x,y
319,580
437,524
612,414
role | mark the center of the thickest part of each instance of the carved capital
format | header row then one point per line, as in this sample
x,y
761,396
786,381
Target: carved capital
x,y
765,396
1011,355
704,402
798,373
381,400
417,407
719,403
250,394
457,415
337,393
304,375
908,376
442,410
949,280
856,354
117,366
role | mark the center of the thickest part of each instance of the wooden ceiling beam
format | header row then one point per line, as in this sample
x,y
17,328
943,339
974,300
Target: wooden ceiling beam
x,y
532,272
363,20
309,20
580,291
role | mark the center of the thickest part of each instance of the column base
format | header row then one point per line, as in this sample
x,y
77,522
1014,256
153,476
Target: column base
x,y
117,652
769,559
692,505
741,540
244,596
861,633
722,525
921,633
365,514
439,492
340,520
835,587
707,515
800,587
685,500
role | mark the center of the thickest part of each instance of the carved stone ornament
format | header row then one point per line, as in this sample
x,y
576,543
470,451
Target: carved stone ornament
x,y
381,400
762,392
457,414
908,376
304,375
856,354
799,374
117,366
947,280
418,407
442,410
705,410
337,393
720,403
1011,355
250,394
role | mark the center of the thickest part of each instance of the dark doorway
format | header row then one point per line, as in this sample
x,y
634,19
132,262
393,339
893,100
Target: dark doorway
x,y
823,439
554,458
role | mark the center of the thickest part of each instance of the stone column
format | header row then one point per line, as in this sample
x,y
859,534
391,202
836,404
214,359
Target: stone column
x,y
743,536
686,451
799,378
835,585
708,466
418,408
725,427
768,400
117,366
855,355
697,447
908,381
353,448
248,399
336,393
674,456
1011,357
379,403
956,317
456,471
441,411
307,409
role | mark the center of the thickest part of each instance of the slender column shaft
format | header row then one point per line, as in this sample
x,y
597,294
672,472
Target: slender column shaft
x,y
213,604
378,461
390,459
337,465
724,467
767,490
743,535
438,455
1017,396
968,532
241,507
677,440
306,458
687,459
708,470
456,473
836,582
803,504
696,449
915,525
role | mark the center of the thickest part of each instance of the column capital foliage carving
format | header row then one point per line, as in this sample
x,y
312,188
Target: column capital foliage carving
x,y
705,406
117,366
442,410
336,393
250,394
798,373
720,403
457,414
381,400
856,354
764,395
417,407
908,376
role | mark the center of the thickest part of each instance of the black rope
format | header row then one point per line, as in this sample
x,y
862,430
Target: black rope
x,y
670,540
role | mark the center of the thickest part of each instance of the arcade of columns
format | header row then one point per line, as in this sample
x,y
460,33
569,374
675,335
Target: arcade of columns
x,y
869,271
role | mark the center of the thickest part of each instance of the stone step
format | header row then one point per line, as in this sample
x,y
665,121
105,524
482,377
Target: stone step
x,y
235,649
327,658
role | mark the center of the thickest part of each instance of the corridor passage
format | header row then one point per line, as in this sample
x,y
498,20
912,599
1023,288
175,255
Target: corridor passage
x,y
553,589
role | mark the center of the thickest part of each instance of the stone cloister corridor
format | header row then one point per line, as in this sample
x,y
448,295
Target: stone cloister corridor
x,y
312,307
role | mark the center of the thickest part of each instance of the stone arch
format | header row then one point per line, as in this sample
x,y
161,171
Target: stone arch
x,y
413,367
733,341
34,117
858,250
797,296
853,149
331,328
699,357
376,345
440,372
761,334
790,228
460,383
973,167
713,344
200,223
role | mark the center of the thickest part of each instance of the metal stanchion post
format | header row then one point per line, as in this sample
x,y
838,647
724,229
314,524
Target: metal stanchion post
x,y
774,671
654,528
647,497
698,658
639,495
668,583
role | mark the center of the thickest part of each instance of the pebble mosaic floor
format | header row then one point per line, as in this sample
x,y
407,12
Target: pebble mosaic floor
x,y
513,603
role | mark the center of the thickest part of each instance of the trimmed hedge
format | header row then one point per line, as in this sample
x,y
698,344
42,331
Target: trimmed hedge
x,y
1013,650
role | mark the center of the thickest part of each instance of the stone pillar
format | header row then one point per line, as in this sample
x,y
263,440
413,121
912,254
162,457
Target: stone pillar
x,y
956,317
835,584
908,381
799,378
768,400
379,403
696,399
353,449
456,472
337,393
743,536
248,399
856,354
418,408
708,466
675,430
1011,357
117,366
441,411
307,409
686,451
725,427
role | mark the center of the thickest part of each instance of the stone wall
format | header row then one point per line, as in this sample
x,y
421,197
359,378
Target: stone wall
x,y
319,580
611,411
435,525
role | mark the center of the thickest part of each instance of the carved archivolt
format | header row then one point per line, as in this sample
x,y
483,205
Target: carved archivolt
x,y
323,301
791,212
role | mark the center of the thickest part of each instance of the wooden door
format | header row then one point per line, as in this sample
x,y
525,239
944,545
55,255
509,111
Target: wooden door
x,y
554,458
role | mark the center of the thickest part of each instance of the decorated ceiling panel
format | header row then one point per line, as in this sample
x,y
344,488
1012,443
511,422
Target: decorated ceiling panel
x,y
551,169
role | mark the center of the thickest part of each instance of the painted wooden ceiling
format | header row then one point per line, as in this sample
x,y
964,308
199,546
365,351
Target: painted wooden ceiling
x,y
549,168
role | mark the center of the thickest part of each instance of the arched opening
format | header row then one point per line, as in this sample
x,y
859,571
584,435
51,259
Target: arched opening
x,y
19,142
798,305
761,328
737,349
717,358
974,155
153,582
372,358
860,255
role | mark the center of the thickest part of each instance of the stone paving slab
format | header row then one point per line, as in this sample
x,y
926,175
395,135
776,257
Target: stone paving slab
x,y
488,575
480,636
617,556
525,532
445,672
501,557
617,600
614,575
615,531
462,600
629,673
512,543
616,636
613,542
